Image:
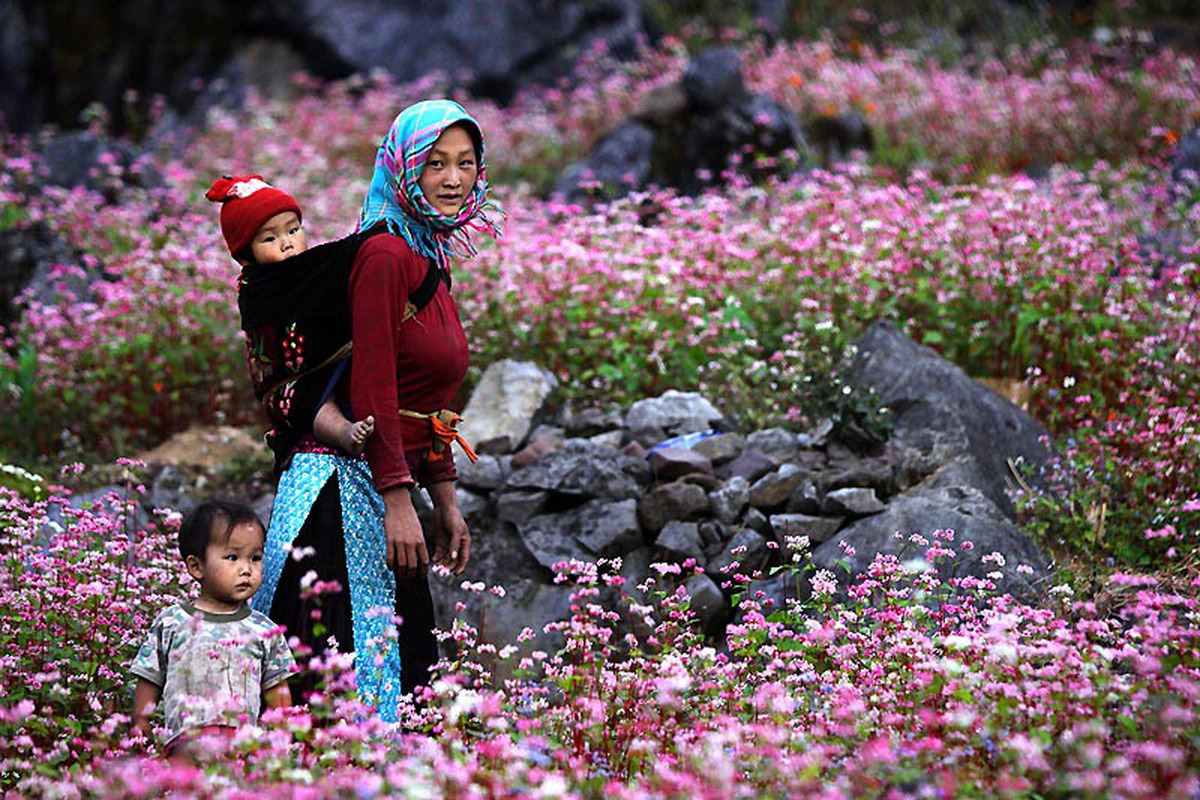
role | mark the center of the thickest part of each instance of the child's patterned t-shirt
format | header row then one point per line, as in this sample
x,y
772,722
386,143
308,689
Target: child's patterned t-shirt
x,y
212,668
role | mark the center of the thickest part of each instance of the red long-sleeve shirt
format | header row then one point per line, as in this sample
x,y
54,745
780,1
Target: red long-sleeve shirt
x,y
417,365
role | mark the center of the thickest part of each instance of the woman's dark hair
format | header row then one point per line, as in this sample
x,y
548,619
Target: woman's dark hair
x,y
473,131
199,528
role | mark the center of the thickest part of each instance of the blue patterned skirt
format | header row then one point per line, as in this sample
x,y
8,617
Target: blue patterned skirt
x,y
327,507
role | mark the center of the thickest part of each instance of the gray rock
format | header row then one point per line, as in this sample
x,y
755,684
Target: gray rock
x,y
707,601
1165,248
527,602
722,448
835,138
673,412
579,469
503,44
848,471
966,511
598,528
757,521
473,508
485,474
772,593
611,439
806,498
1185,164
927,441
505,401
671,501
111,499
609,529
171,489
820,432
539,444
669,463
709,483
713,79
915,381
750,466
853,502
75,158
817,529
28,257
619,163
519,506
713,534
499,556
728,501
590,421
773,490
682,539
635,568
747,548
423,505
548,539
778,444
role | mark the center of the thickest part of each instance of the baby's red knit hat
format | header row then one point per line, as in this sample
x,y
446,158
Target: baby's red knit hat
x,y
247,202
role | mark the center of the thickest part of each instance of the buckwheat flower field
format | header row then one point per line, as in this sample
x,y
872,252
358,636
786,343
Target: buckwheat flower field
x,y
1019,216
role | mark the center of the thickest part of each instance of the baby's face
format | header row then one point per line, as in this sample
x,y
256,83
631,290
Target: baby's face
x,y
280,238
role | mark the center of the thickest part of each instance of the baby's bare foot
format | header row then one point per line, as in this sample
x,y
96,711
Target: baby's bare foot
x,y
357,434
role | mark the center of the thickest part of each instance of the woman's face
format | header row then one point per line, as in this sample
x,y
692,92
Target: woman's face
x,y
449,175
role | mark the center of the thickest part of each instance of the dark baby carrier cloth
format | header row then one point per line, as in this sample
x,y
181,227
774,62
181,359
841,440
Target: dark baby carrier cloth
x,y
296,317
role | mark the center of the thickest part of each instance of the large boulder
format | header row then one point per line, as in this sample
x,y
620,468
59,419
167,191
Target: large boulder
x,y
502,44
619,162
502,408
83,158
929,397
690,135
38,259
58,57
921,511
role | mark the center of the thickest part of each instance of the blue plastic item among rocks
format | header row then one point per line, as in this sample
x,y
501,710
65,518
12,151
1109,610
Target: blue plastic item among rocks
x,y
687,441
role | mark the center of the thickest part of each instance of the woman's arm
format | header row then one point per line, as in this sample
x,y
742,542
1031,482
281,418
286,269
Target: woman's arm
x,y
378,291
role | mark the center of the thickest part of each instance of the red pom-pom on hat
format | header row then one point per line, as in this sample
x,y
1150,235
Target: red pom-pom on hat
x,y
247,202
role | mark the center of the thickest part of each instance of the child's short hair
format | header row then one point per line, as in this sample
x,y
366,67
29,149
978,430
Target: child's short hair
x,y
198,529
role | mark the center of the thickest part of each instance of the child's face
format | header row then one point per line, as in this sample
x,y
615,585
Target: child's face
x,y
231,571
280,238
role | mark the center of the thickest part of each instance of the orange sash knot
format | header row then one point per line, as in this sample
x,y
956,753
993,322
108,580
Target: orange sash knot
x,y
444,425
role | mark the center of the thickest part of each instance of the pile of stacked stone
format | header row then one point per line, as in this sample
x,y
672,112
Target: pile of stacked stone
x,y
665,480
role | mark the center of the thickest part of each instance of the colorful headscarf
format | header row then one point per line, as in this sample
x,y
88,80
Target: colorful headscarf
x,y
395,196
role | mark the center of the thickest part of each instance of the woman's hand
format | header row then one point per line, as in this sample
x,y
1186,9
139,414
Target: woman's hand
x,y
452,547
407,555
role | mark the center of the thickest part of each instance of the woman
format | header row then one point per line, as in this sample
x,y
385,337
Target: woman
x,y
353,520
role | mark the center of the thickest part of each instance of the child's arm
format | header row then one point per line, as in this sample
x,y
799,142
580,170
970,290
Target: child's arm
x,y
278,696
145,697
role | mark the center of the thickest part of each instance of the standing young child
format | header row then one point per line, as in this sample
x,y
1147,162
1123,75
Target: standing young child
x,y
212,664
263,225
